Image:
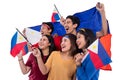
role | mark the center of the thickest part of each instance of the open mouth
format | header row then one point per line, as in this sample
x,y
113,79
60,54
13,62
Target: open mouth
x,y
42,33
67,28
62,47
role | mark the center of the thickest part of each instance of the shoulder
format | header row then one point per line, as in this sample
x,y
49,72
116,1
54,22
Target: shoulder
x,y
31,56
55,53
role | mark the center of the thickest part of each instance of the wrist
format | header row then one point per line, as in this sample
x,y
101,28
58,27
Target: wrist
x,y
38,56
102,12
20,59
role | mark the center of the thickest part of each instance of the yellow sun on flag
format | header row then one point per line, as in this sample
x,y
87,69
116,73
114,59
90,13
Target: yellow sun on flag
x,y
32,33
94,47
21,38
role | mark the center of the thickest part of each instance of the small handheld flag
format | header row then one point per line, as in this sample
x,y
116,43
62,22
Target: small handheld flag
x,y
18,43
55,15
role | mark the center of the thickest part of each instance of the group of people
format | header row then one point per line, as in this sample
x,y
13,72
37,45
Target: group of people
x,y
68,57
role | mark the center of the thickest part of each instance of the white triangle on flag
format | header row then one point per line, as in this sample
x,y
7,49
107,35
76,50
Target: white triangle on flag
x,y
94,46
20,38
33,36
54,10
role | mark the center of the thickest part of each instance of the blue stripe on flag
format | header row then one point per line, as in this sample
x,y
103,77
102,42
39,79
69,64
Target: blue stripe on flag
x,y
14,40
103,54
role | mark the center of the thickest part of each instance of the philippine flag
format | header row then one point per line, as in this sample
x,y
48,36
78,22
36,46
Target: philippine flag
x,y
98,54
33,36
18,43
55,16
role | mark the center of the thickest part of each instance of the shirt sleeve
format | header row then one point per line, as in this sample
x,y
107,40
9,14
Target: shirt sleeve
x,y
29,61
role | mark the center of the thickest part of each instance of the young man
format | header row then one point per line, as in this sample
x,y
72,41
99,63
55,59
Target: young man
x,y
70,24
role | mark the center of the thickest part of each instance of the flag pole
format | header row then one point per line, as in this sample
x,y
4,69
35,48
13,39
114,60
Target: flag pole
x,y
57,10
23,35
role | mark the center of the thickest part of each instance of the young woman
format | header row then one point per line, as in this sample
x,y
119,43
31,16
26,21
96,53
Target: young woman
x,y
46,46
85,71
60,65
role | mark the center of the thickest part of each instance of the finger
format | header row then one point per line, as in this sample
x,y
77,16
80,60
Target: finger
x,y
33,48
82,53
99,5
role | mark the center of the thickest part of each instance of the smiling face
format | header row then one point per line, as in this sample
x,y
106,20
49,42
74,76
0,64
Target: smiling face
x,y
69,26
45,29
65,44
44,43
81,42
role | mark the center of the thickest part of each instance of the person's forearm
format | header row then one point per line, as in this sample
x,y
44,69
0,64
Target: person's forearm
x,y
42,66
104,23
22,66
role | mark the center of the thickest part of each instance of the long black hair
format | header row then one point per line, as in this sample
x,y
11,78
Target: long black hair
x,y
73,48
89,36
51,47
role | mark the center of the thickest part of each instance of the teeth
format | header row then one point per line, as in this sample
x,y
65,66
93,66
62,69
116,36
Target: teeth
x,y
63,47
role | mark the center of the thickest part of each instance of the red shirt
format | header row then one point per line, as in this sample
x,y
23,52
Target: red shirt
x,y
57,41
35,73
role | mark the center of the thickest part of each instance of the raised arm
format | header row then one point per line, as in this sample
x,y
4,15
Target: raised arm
x,y
41,64
104,31
62,21
25,69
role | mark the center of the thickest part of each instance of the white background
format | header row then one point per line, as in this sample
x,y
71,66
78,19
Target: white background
x,y
25,13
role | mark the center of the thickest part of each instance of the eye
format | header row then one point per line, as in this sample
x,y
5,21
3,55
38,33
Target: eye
x,y
40,39
78,36
44,39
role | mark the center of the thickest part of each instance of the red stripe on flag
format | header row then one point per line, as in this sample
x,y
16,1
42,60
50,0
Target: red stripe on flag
x,y
95,59
16,49
53,17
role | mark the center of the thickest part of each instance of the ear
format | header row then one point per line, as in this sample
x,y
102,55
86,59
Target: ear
x,y
75,25
49,30
49,44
